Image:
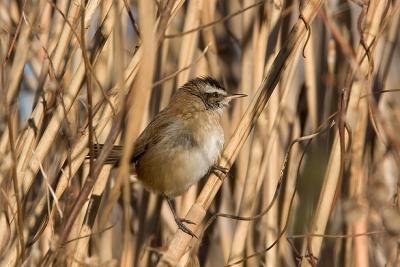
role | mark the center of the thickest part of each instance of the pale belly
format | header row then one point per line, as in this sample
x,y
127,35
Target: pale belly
x,y
172,172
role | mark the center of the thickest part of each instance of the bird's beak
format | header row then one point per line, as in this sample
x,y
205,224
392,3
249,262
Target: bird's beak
x,y
233,96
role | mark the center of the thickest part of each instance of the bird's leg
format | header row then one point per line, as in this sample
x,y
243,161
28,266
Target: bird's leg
x,y
180,221
215,168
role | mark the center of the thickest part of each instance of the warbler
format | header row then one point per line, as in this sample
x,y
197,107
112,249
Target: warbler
x,y
183,142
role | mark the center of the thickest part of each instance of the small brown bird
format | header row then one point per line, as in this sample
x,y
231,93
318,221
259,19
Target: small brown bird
x,y
183,142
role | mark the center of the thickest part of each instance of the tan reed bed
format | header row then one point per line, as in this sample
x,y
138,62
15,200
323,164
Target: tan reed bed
x,y
313,152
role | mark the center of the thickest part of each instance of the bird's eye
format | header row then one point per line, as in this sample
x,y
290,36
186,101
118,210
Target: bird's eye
x,y
215,94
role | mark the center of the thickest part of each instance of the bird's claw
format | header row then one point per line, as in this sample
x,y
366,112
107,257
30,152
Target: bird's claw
x,y
179,221
184,228
221,169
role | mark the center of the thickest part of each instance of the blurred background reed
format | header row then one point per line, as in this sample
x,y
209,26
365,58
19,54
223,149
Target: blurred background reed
x,y
74,73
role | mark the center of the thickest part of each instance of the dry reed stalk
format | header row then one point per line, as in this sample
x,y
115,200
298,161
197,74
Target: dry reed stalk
x,y
188,43
273,117
248,200
390,46
147,221
280,133
181,241
310,74
225,227
272,114
167,86
235,32
332,175
358,180
247,87
208,15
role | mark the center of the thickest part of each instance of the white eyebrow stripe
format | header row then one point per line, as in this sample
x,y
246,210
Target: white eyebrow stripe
x,y
211,89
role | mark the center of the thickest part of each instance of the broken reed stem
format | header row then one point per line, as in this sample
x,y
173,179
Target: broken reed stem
x,y
196,214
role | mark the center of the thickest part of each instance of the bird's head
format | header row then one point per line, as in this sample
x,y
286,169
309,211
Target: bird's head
x,y
210,93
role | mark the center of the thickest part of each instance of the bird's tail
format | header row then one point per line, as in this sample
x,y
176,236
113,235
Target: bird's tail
x,y
114,156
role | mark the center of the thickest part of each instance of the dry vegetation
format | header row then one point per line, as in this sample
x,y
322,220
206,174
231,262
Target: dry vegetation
x,y
314,151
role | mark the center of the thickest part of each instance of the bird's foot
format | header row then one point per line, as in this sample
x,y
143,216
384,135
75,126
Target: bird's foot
x,y
221,169
180,222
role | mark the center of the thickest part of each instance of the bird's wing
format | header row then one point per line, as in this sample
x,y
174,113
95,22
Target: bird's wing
x,y
153,133
145,141
158,129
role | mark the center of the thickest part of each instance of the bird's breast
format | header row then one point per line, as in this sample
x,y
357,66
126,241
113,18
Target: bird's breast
x,y
212,144
175,163
209,136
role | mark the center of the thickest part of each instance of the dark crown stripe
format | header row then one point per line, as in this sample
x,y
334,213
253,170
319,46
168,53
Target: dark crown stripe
x,y
204,80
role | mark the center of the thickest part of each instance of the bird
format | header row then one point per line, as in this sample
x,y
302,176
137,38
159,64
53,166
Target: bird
x,y
183,141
